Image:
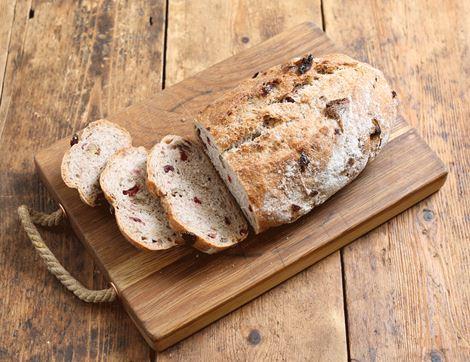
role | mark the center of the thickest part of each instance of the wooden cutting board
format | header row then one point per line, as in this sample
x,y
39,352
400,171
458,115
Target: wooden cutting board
x,y
172,294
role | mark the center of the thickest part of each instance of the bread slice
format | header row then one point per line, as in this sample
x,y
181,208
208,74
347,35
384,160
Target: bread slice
x,y
139,214
90,149
195,198
288,138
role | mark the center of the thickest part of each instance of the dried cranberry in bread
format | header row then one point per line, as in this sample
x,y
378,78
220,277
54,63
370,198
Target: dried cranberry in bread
x,y
139,214
290,137
196,200
90,150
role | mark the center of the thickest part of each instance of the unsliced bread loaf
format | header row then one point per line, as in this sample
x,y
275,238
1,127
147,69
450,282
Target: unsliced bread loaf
x,y
90,149
290,137
196,200
139,214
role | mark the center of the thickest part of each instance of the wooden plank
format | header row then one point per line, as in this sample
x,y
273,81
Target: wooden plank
x,y
67,64
276,325
184,290
407,285
195,44
7,9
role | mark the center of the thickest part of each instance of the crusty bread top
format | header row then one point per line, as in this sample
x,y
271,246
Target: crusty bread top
x,y
195,198
292,117
90,149
139,214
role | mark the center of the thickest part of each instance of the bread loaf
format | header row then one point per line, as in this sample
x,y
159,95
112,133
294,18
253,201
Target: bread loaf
x,y
139,214
90,149
290,137
196,200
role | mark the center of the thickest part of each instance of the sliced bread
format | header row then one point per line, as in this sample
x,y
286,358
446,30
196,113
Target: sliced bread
x,y
90,149
195,198
139,214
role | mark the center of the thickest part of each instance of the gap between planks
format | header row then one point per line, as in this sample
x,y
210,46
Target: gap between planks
x,y
165,43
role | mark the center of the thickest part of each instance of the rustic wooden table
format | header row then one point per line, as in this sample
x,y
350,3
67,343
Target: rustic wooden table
x,y
400,292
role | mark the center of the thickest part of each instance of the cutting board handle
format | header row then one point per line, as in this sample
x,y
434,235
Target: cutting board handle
x,y
28,219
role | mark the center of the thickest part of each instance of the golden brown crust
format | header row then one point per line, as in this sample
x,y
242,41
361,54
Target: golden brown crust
x,y
298,132
139,245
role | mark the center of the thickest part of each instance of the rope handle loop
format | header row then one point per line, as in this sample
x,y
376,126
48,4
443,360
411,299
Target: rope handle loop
x,y
28,219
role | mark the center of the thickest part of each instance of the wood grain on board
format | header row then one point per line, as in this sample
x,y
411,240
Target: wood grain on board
x,y
68,62
407,283
172,294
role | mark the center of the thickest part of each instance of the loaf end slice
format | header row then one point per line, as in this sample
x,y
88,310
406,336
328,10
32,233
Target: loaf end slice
x,y
90,149
139,214
196,200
